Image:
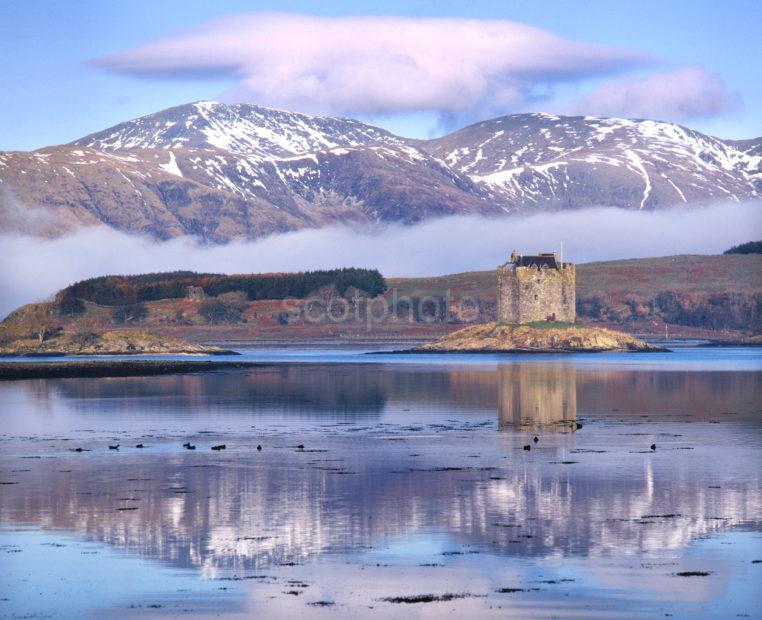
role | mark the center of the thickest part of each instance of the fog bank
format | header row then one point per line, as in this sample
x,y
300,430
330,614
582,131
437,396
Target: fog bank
x,y
33,268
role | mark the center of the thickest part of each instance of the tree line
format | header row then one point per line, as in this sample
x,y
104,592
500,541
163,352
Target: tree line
x,y
750,247
126,290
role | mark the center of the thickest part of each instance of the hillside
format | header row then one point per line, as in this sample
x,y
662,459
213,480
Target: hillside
x,y
261,133
549,161
716,297
707,292
221,171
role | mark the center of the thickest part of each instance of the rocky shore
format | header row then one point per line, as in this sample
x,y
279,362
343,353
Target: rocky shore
x,y
535,338
114,342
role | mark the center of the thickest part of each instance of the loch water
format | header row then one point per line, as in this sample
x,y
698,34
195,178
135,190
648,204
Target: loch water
x,y
389,486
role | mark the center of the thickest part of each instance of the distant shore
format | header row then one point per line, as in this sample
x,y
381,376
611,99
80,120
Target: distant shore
x,y
556,351
112,368
111,342
120,353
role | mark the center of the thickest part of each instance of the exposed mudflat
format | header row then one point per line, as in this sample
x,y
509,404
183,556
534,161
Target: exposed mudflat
x,y
111,368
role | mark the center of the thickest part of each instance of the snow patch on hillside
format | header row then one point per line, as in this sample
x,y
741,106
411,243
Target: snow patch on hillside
x,y
171,167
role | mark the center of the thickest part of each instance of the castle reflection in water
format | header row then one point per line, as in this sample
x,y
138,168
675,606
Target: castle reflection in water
x,y
537,396
587,493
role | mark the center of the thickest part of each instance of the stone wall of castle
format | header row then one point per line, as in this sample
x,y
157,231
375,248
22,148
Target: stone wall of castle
x,y
529,294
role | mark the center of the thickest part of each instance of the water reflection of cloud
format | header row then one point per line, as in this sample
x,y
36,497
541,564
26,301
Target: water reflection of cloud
x,y
590,494
244,513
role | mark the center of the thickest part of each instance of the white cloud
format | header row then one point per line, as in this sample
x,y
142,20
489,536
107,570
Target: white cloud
x,y
33,268
685,93
375,65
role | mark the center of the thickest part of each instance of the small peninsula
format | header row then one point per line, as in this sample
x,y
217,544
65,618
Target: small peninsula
x,y
112,342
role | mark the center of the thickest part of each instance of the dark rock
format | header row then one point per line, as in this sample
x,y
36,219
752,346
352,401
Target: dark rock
x,y
425,598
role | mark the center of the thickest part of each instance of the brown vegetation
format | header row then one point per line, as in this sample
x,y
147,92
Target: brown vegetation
x,y
716,297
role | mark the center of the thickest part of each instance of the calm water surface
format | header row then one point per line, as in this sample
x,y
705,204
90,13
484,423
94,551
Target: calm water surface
x,y
413,479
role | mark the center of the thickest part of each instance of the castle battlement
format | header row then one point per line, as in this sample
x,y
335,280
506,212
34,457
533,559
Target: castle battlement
x,y
536,288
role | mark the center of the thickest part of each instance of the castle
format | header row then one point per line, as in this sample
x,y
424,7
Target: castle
x,y
536,288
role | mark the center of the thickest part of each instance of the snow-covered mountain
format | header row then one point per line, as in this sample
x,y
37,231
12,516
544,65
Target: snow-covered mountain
x,y
545,161
221,171
254,131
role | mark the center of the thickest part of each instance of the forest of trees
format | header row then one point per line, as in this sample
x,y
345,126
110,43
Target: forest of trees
x,y
751,247
127,290
710,311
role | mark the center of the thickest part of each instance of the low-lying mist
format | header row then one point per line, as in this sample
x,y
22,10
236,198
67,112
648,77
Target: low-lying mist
x,y
33,268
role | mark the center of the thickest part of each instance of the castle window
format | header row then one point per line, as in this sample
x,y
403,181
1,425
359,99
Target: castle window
x,y
536,298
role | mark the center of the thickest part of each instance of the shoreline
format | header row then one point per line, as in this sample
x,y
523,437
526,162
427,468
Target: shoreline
x,y
37,354
517,351
537,338
113,368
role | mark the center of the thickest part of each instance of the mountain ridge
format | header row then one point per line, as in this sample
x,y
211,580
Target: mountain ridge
x,y
222,171
240,128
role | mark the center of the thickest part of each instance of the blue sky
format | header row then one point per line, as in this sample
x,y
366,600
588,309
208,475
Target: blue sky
x,y
52,92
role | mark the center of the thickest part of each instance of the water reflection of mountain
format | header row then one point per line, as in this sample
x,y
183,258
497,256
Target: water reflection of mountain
x,y
245,513
297,389
701,394
367,389
304,389
543,395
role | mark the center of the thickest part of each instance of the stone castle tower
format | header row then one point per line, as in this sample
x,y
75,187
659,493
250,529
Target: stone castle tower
x,y
536,288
